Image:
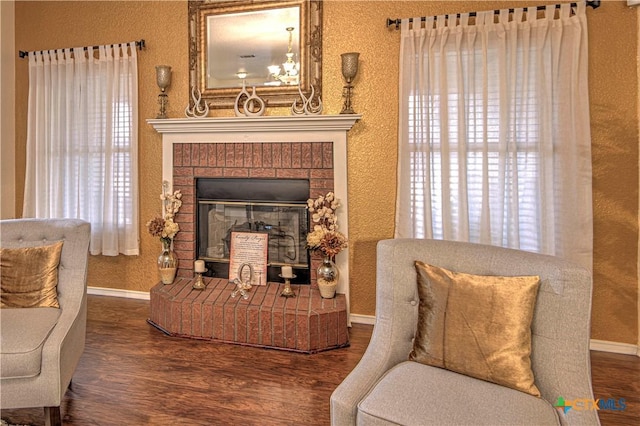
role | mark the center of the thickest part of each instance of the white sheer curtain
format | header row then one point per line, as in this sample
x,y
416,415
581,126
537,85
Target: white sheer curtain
x,y
494,139
82,142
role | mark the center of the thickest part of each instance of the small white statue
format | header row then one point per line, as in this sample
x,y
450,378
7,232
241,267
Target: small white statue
x,y
240,100
308,106
252,105
200,108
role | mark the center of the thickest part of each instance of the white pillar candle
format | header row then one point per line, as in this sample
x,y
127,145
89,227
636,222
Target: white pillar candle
x,y
287,272
198,266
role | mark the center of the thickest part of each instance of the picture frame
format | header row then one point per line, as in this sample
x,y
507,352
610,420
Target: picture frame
x,y
249,249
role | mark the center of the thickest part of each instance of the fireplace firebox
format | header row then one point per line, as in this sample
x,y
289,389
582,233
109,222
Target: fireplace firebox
x,y
276,207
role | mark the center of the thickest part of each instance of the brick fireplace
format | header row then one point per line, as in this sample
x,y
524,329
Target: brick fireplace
x,y
309,147
288,160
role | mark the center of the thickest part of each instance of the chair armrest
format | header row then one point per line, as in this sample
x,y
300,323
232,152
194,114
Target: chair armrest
x,y
63,348
392,339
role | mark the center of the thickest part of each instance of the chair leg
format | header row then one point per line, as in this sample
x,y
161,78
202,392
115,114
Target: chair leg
x,y
52,416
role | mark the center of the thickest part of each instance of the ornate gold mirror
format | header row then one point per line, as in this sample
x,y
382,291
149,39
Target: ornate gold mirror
x,y
275,46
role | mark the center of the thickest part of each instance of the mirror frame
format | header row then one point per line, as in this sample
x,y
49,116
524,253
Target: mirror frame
x,y
310,51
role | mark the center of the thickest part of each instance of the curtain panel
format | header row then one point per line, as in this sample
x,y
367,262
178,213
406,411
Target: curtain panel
x,y
82,142
494,138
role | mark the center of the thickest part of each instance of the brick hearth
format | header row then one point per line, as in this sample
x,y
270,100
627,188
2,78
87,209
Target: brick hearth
x,y
305,323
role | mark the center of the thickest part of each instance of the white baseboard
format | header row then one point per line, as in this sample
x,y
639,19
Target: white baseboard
x,y
116,292
615,347
363,319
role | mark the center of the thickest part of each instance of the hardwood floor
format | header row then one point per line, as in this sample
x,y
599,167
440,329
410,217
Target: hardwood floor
x,y
617,376
132,374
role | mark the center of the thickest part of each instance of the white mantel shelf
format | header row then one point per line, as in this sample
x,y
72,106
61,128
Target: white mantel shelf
x,y
269,129
307,123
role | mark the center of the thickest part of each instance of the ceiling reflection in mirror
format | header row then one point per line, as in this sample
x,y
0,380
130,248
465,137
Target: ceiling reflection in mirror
x,y
255,45
275,46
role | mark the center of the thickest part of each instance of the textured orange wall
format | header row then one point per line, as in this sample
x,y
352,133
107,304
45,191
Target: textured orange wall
x,y
613,92
360,26
163,25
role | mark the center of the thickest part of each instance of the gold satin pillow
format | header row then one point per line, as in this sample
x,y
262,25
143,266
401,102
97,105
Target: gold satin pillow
x,y
29,276
476,325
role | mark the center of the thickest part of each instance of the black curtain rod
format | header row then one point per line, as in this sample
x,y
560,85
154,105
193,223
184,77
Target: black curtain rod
x,y
592,3
139,44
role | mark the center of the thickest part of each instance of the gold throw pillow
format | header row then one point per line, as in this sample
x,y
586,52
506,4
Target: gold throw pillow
x,y
476,325
29,276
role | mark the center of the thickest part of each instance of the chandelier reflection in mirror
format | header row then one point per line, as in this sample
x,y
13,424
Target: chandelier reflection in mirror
x,y
291,68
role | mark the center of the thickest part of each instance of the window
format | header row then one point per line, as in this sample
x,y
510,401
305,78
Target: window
x,y
494,143
82,143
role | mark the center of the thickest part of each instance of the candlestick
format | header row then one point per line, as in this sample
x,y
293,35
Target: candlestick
x,y
199,268
287,271
287,291
199,284
163,78
349,71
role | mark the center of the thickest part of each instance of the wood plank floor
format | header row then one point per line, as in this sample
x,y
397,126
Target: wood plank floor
x,y
131,374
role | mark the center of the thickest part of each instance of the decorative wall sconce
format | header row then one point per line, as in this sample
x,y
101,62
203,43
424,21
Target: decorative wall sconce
x,y
163,78
349,71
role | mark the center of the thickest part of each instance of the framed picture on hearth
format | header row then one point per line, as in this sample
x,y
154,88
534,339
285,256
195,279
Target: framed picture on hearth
x,y
248,255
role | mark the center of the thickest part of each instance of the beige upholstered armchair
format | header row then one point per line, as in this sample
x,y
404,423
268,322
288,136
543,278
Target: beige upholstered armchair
x,y
40,346
387,388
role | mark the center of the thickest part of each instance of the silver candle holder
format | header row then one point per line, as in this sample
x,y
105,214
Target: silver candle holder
x,y
163,79
349,72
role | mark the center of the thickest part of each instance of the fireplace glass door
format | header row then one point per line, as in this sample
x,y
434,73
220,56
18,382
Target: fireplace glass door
x,y
276,207
284,223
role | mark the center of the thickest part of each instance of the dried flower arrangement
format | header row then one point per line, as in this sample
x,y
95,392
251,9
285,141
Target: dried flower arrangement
x,y
325,237
164,227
